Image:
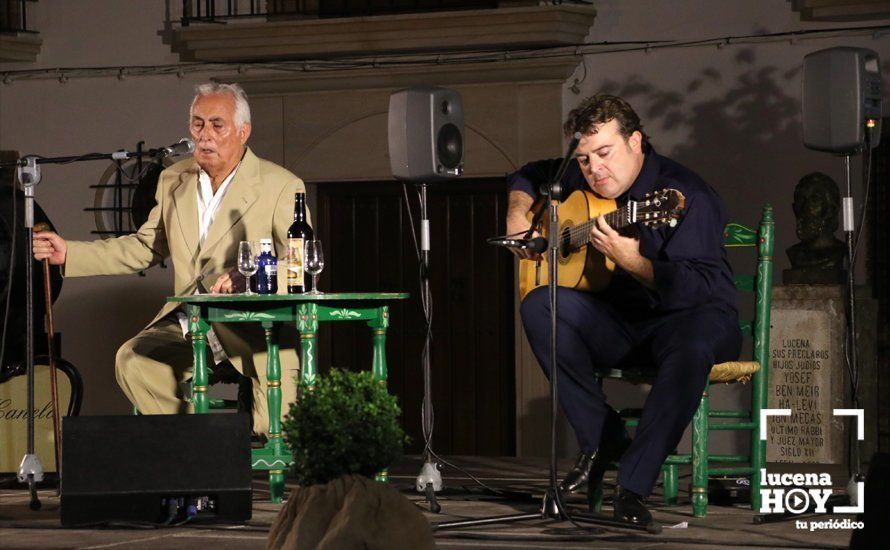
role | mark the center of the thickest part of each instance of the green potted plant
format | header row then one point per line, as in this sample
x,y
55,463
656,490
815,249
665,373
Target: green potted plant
x,y
342,433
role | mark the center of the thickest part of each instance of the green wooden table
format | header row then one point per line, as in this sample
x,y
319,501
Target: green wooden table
x,y
306,311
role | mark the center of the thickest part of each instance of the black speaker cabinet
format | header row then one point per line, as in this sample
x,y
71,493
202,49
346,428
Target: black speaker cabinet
x,y
128,468
426,127
877,514
841,90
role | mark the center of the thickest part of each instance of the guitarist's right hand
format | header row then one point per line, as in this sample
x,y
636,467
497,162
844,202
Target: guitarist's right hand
x,y
518,225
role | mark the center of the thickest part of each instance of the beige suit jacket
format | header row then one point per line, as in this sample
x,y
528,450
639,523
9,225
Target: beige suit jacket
x,y
259,203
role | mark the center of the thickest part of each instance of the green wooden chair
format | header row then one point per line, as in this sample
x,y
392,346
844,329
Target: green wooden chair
x,y
226,373
756,371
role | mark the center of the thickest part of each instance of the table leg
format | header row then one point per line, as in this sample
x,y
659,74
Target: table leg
x,y
307,325
273,398
198,328
378,329
273,377
378,362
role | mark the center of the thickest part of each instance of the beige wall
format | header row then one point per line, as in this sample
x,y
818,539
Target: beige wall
x,y
46,117
730,113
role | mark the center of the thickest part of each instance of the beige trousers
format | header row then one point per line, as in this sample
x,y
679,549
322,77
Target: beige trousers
x,y
153,367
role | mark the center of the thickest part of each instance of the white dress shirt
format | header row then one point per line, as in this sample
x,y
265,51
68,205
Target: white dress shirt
x,y
208,205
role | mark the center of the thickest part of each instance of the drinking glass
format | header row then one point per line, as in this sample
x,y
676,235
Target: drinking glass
x,y
313,262
247,263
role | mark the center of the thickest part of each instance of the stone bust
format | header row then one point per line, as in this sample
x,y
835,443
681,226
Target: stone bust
x,y
819,257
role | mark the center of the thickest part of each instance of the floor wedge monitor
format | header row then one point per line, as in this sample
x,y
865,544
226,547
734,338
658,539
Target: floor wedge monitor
x,y
155,469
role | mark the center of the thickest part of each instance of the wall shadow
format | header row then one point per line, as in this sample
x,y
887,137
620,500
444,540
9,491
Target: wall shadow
x,y
738,133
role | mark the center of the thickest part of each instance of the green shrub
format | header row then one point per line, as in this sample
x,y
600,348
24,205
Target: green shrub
x,y
347,424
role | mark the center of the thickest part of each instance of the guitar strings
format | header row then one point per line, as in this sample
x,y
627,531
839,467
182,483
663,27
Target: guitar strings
x,y
579,235
613,218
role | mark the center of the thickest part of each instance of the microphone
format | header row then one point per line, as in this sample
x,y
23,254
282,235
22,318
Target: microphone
x,y
556,183
183,147
538,244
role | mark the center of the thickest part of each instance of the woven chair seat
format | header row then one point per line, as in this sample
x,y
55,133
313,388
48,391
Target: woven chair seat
x,y
734,371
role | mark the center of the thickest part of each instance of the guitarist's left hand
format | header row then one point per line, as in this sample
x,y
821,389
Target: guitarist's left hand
x,y
624,251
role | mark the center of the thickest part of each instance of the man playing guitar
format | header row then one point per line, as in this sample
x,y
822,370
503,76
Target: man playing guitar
x,y
669,303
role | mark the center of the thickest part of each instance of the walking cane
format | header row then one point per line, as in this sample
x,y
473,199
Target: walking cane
x,y
50,342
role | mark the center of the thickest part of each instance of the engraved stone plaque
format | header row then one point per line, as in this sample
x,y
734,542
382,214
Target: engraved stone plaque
x,y
806,375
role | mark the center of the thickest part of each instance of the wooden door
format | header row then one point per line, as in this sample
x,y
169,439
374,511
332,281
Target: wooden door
x,y
369,247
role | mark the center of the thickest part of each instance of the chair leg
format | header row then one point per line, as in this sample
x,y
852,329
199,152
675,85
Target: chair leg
x,y
595,499
700,457
758,447
670,475
757,464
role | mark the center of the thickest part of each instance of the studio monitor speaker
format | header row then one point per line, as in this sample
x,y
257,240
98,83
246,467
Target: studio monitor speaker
x,y
426,134
141,468
876,515
841,91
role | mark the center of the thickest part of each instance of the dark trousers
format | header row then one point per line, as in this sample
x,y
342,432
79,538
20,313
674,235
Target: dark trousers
x,y
592,336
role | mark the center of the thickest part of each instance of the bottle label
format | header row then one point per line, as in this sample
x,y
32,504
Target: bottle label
x,y
295,262
271,270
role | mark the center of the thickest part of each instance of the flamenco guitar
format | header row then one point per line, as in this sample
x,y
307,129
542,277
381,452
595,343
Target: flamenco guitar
x,y
582,267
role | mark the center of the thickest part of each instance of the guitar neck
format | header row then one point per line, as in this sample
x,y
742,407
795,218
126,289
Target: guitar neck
x,y
579,235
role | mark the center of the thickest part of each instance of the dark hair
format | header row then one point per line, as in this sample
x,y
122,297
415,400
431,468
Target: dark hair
x,y
601,108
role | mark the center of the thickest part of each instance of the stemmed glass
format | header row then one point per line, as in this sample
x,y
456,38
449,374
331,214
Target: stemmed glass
x,y
247,263
313,262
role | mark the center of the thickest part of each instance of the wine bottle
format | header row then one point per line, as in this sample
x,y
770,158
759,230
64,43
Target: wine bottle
x,y
298,280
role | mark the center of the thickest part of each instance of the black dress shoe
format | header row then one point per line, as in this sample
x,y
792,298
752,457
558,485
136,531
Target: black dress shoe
x,y
629,507
579,474
590,468
610,451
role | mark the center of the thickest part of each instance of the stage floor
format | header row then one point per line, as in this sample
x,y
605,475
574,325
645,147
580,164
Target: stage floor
x,y
725,526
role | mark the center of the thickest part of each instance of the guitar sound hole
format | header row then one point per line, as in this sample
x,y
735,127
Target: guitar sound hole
x,y
565,243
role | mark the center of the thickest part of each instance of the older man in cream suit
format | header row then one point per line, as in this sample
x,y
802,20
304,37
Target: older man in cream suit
x,y
206,205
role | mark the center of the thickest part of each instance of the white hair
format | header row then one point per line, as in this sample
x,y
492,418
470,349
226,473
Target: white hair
x,y
242,108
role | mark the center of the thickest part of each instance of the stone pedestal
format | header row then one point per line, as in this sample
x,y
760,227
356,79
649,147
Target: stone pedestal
x,y
808,373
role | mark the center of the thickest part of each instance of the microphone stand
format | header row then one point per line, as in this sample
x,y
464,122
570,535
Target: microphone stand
x,y
429,480
552,505
31,469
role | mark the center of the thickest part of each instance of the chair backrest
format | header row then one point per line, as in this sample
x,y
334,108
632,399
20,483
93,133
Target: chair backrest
x,y
760,283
